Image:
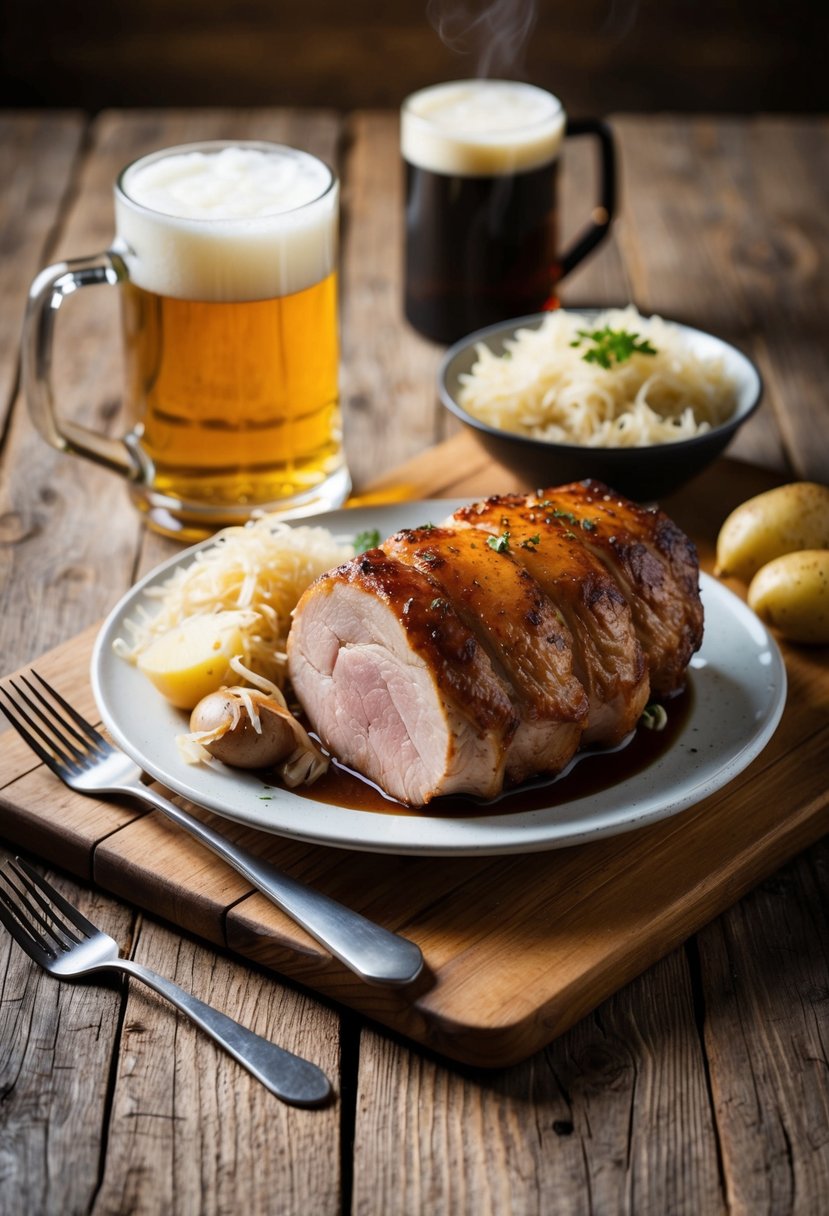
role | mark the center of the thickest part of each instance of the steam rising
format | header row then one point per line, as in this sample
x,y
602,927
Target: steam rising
x,y
494,32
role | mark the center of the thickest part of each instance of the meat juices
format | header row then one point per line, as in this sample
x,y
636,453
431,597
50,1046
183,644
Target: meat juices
x,y
464,657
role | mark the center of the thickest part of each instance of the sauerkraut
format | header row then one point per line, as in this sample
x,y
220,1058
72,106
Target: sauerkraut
x,y
260,571
544,388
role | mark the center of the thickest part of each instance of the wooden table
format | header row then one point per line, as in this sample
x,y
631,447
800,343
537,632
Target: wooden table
x,y
701,1086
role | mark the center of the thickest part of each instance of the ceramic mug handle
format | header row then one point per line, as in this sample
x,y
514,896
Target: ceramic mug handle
x,y
602,214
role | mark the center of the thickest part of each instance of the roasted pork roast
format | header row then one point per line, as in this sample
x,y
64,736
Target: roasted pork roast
x,y
476,653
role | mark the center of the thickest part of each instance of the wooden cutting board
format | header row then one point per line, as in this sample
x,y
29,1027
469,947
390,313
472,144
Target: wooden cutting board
x,y
518,948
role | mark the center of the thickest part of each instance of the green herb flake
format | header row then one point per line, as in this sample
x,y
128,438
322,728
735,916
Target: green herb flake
x,y
531,541
438,604
364,541
568,515
612,346
654,717
499,543
589,525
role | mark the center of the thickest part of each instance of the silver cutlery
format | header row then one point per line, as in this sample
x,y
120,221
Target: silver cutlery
x,y
55,934
87,762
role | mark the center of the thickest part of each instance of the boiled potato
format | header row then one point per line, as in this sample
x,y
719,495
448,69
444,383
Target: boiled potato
x,y
237,741
792,594
792,517
192,660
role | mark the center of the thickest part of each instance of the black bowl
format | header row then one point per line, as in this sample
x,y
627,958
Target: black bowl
x,y
642,473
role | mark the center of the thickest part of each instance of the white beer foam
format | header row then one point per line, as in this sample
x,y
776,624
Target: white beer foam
x,y
481,128
232,223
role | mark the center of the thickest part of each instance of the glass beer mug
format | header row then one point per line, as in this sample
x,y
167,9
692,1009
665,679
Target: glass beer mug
x,y
482,162
225,256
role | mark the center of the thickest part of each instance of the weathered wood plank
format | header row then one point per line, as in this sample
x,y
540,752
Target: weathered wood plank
x,y
58,1042
767,1039
612,1117
38,153
190,1130
391,406
734,242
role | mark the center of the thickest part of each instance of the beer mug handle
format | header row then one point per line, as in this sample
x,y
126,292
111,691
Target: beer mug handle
x,y
47,293
603,212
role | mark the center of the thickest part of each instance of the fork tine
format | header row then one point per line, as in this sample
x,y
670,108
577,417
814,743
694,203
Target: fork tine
x,y
21,930
44,707
51,715
12,710
49,726
51,922
70,912
88,729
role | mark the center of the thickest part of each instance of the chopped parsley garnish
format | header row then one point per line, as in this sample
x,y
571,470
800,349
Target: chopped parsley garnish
x,y
531,541
588,525
364,541
568,515
438,604
499,543
612,346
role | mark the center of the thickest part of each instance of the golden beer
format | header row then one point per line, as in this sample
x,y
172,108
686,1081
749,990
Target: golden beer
x,y
229,311
234,403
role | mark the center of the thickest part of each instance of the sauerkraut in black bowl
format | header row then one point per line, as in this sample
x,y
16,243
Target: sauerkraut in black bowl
x,y
641,403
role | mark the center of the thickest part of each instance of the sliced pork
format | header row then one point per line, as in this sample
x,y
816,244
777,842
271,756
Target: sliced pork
x,y
654,564
396,686
607,657
474,654
519,629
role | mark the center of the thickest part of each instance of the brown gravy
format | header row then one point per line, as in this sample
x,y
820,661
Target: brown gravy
x,y
592,772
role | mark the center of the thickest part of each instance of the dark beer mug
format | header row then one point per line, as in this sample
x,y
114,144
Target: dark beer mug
x,y
482,162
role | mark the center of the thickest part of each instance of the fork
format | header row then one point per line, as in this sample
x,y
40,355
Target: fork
x,y
70,946
87,762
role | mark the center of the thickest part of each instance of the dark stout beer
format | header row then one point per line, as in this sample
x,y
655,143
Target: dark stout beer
x,y
481,204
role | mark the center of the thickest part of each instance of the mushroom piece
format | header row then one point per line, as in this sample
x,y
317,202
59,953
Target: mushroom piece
x,y
248,728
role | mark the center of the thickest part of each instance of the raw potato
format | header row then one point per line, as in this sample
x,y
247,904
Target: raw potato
x,y
792,594
242,746
792,517
193,659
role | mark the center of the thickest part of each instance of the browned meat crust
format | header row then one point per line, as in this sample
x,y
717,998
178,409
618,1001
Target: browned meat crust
x,y
607,657
655,565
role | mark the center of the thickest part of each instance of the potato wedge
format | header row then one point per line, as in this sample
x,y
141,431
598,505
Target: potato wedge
x,y
791,517
792,594
192,659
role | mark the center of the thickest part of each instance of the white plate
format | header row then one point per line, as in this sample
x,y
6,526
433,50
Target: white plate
x,y
739,690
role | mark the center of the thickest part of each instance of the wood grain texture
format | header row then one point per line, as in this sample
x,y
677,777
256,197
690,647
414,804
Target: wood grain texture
x,y
38,153
766,1038
598,1122
58,1045
735,241
190,1130
389,398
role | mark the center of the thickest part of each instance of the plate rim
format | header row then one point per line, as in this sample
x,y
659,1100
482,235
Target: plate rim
x,y
517,832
